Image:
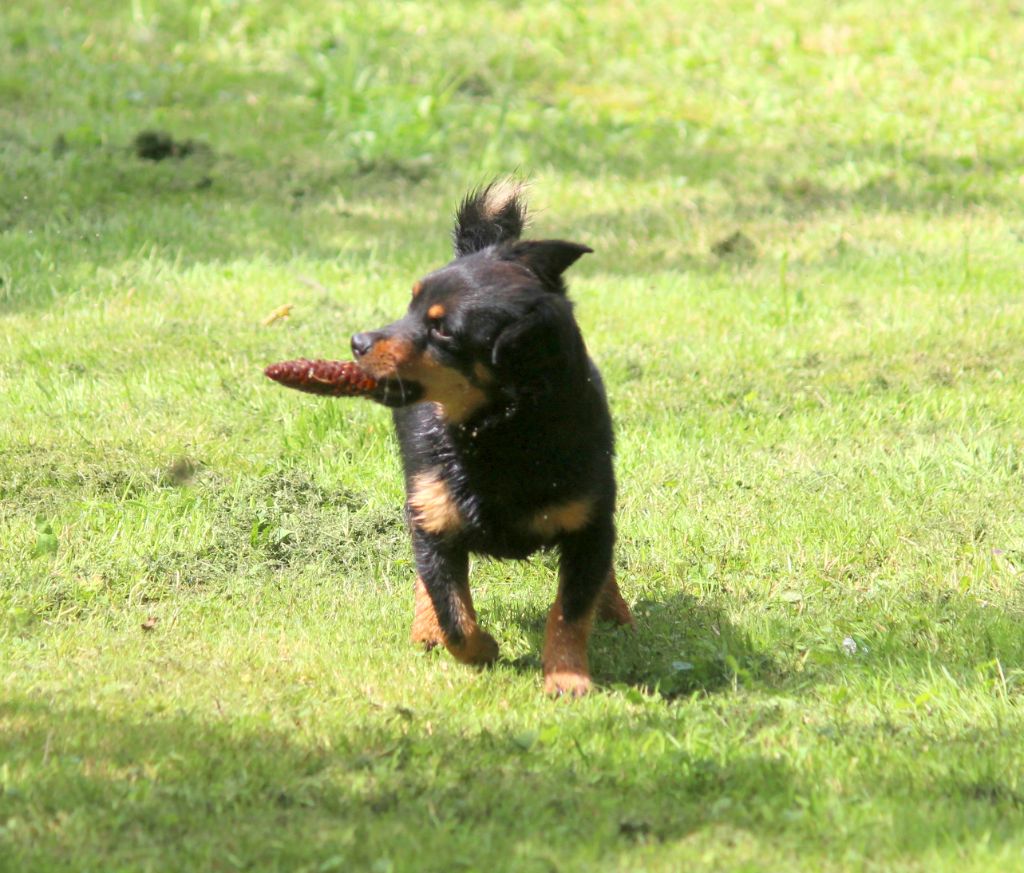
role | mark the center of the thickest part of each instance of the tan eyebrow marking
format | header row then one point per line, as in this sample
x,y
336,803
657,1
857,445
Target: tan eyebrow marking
x,y
436,311
416,288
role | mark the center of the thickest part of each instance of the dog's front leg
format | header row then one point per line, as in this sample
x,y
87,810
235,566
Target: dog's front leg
x,y
443,611
585,566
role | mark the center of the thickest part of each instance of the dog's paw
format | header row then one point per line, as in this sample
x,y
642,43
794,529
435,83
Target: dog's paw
x,y
617,613
566,683
479,649
426,642
426,630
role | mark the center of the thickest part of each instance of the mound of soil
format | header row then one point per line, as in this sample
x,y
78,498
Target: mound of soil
x,y
158,145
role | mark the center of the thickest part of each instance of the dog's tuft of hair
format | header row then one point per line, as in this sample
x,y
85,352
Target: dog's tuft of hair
x,y
490,216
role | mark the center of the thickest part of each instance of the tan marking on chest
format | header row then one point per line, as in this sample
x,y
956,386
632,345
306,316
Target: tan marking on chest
x,y
483,374
457,396
562,517
433,507
451,390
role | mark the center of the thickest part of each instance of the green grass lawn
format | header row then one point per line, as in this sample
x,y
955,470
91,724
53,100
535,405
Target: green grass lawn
x,y
205,582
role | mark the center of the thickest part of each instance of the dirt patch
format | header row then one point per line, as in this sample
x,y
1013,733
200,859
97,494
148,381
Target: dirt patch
x,y
158,145
737,245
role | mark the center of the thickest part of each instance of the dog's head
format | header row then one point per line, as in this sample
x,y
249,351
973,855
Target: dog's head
x,y
492,325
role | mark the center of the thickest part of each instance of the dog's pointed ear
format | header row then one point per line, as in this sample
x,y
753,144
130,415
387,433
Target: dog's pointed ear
x,y
489,216
547,259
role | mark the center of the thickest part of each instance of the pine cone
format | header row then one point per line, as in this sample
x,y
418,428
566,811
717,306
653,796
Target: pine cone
x,y
334,378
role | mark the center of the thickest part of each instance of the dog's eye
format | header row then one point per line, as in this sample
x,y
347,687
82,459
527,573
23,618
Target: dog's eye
x,y
438,331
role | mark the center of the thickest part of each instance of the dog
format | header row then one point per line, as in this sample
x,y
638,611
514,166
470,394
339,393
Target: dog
x,y
505,433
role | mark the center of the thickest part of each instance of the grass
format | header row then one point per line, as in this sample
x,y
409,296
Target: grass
x,y
206,581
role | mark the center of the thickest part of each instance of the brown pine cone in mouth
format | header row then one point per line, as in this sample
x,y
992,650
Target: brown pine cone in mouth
x,y
333,378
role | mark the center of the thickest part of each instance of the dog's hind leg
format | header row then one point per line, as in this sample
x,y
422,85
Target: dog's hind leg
x,y
444,610
610,605
583,572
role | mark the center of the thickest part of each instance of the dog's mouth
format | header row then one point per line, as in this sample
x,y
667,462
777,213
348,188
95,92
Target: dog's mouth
x,y
394,392
407,375
383,364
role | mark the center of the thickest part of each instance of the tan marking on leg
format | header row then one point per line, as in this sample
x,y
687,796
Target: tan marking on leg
x,y
433,508
610,605
566,668
477,647
425,627
561,517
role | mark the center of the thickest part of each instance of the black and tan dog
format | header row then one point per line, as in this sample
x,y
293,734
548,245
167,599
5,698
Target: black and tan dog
x,y
505,434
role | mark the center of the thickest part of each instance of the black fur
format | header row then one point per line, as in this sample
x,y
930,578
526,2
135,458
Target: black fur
x,y
538,435
486,218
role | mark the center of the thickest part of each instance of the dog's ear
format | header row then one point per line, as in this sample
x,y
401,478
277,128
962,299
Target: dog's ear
x,y
547,259
540,349
489,216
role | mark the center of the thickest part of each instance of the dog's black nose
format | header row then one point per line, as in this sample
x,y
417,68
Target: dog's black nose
x,y
361,344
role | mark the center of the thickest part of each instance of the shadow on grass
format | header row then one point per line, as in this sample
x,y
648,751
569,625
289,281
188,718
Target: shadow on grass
x,y
684,646
97,208
680,646
86,790
99,791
